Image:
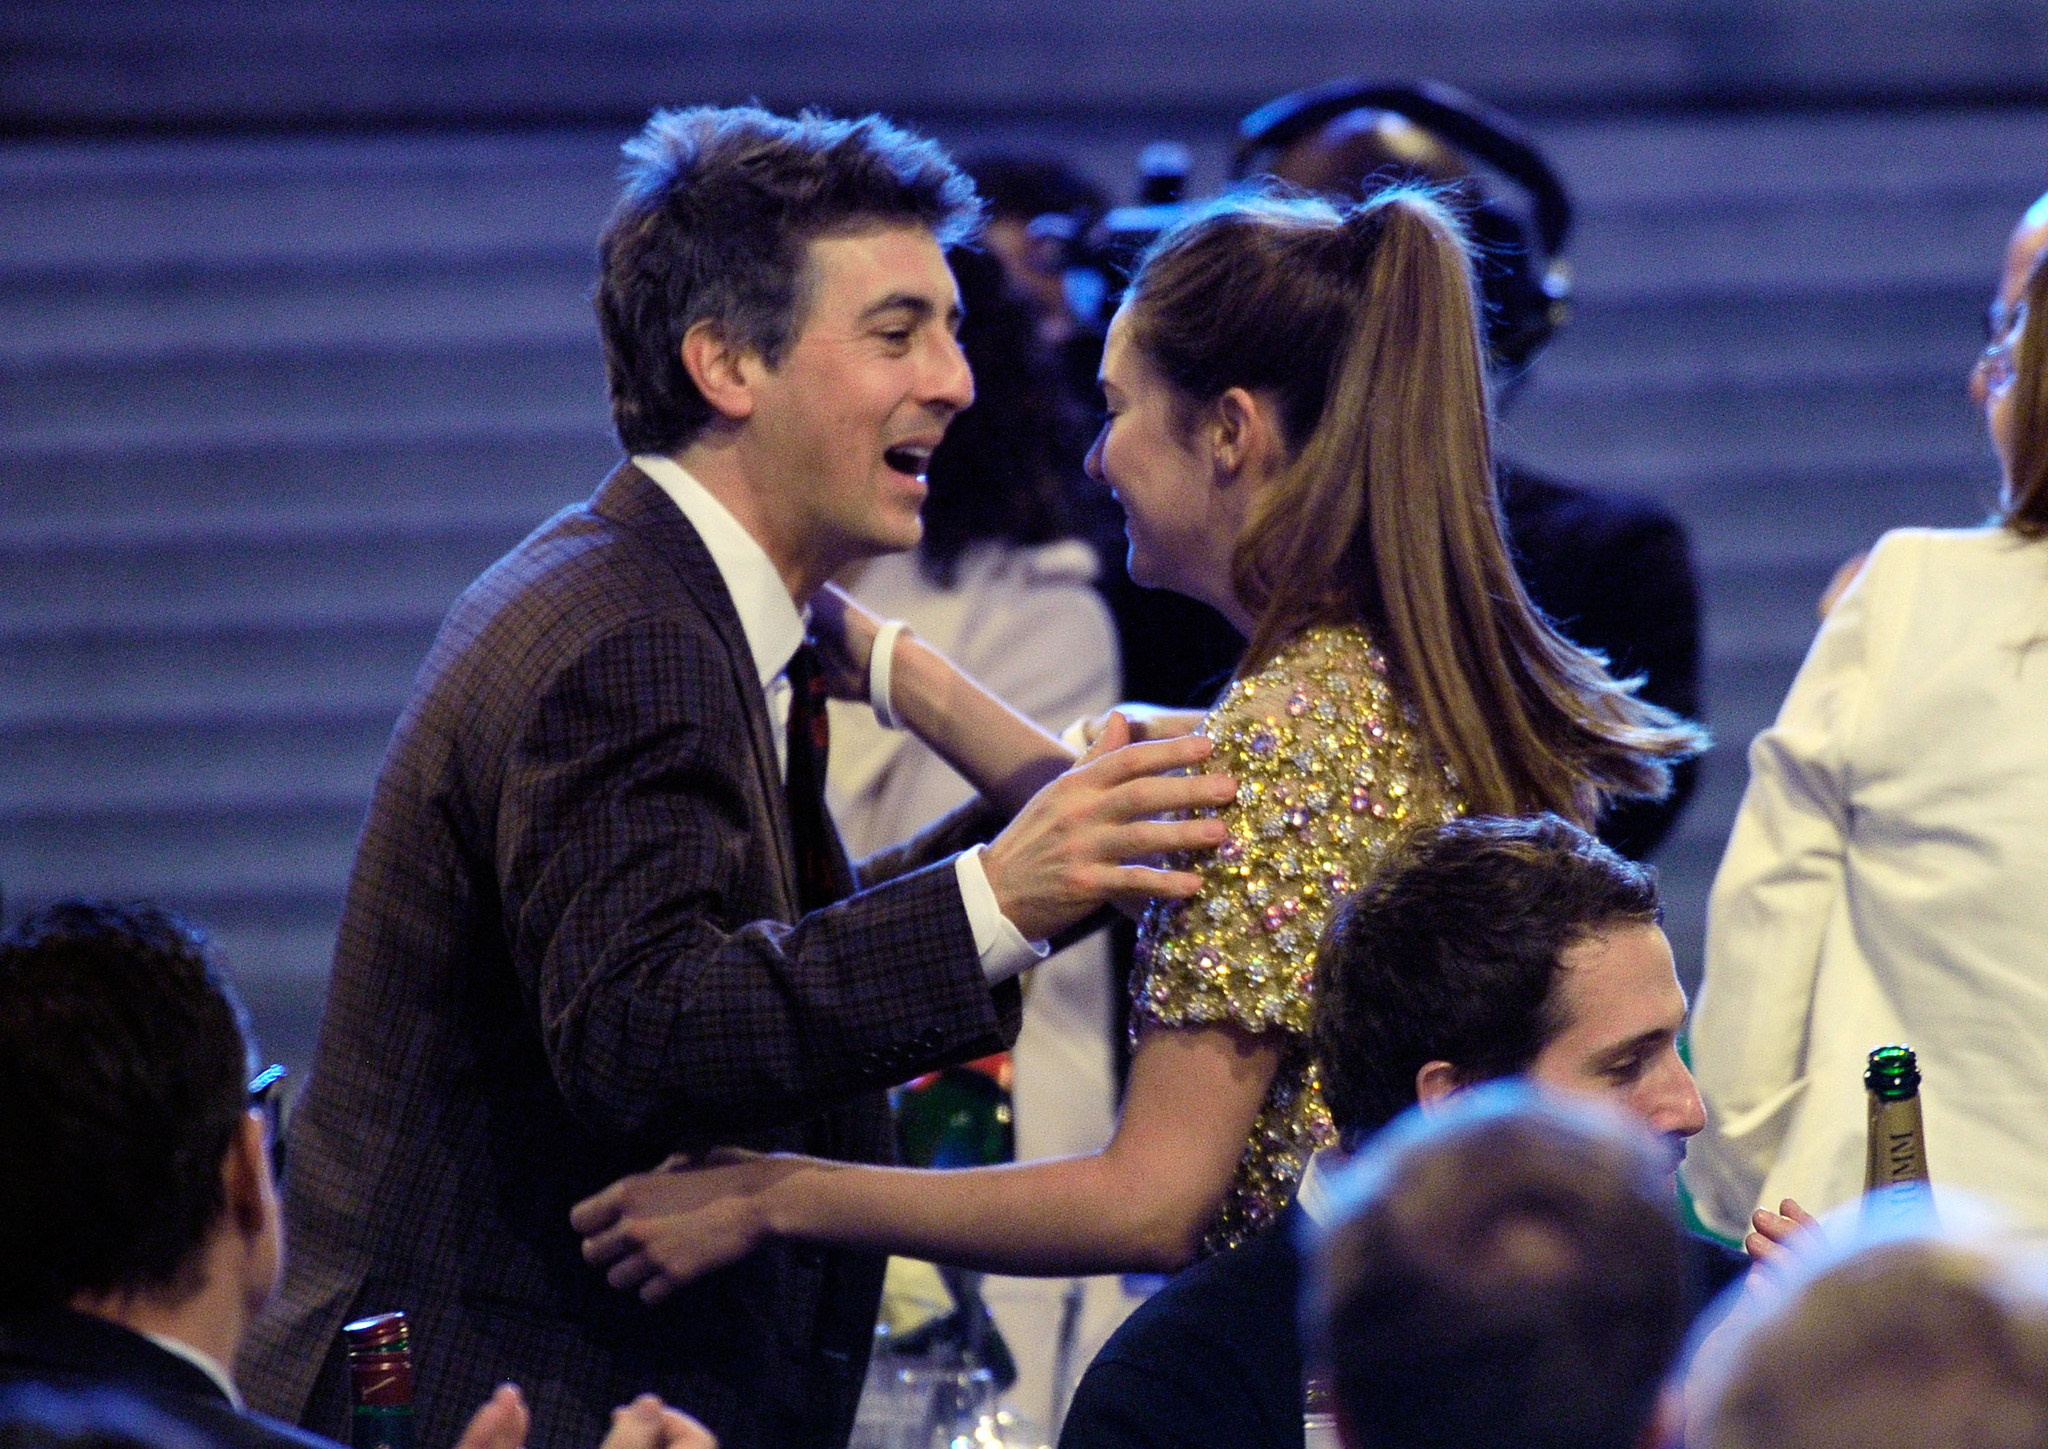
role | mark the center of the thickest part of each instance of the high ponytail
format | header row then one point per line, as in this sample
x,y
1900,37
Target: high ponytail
x,y
1386,513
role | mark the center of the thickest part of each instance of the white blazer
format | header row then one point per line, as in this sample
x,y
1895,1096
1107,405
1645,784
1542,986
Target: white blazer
x,y
1887,880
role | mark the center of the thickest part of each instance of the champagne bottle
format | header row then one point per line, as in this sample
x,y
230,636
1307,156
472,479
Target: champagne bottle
x,y
380,1382
1895,1181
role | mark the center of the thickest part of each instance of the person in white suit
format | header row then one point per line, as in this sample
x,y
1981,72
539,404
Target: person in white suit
x,y
1887,877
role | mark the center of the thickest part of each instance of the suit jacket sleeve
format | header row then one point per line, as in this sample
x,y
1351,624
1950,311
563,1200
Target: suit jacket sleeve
x,y
630,870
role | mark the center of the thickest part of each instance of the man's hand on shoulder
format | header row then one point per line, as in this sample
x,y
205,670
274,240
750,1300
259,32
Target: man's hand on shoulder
x,y
1087,838
1146,722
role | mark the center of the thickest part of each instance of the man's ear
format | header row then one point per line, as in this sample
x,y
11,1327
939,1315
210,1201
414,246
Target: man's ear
x,y
1244,435
252,1213
1434,1082
725,373
245,1177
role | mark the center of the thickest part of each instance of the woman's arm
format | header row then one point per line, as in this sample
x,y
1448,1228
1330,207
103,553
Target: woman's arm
x,y
1141,1204
1000,752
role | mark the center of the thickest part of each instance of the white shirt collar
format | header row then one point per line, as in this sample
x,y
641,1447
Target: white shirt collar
x,y
768,617
206,1363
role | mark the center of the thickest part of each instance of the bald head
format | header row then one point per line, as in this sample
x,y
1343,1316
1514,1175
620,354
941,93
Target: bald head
x,y
1336,159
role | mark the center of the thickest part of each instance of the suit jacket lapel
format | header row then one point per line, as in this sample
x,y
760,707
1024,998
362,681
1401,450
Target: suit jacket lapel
x,y
630,498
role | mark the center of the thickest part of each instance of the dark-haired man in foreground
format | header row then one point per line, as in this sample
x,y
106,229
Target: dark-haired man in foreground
x,y
139,1230
599,913
1482,949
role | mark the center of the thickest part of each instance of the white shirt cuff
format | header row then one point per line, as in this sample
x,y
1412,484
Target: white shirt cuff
x,y
1003,950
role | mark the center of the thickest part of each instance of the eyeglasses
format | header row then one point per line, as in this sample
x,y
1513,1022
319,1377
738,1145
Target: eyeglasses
x,y
2003,327
267,1095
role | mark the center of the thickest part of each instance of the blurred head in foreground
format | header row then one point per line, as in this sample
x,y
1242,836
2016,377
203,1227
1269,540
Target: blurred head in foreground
x,y
1505,1271
1917,1340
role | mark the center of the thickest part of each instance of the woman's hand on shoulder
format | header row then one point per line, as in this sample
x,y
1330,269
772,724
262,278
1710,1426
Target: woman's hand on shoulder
x,y
655,1231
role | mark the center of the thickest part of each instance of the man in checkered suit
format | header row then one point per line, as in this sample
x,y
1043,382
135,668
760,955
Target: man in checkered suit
x,y
583,931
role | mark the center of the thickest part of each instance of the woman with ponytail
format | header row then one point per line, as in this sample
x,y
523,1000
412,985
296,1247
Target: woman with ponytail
x,y
1298,431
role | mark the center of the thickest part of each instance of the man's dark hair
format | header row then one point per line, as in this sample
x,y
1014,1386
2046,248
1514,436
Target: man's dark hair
x,y
1451,952
719,209
124,1067
1506,1273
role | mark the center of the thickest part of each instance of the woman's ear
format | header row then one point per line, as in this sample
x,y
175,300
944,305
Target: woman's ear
x,y
1244,433
724,373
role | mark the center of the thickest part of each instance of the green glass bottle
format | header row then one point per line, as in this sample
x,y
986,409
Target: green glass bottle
x,y
380,1382
1895,1180
958,1117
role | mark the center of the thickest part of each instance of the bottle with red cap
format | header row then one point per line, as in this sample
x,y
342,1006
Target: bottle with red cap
x,y
380,1382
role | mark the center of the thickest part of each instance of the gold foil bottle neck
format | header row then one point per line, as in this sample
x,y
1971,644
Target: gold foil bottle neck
x,y
1895,1177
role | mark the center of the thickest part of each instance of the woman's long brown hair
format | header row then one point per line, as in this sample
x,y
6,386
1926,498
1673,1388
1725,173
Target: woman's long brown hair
x,y
1361,326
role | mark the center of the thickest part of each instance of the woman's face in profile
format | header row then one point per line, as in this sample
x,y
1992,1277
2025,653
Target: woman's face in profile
x,y
1181,538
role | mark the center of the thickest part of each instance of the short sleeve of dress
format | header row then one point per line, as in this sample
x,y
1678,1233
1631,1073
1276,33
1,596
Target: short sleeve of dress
x,y
1330,771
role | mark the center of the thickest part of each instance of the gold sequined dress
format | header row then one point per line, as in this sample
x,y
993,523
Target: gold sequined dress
x,y
1330,771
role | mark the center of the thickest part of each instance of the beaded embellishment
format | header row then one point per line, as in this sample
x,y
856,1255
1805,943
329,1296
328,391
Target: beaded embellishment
x,y
1330,770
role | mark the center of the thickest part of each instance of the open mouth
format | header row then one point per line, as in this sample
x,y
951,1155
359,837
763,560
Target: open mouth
x,y
911,459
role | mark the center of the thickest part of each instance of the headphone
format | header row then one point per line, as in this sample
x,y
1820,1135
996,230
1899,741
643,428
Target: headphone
x,y
1524,279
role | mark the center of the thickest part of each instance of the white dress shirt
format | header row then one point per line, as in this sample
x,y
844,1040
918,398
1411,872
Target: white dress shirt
x,y
774,630
1887,880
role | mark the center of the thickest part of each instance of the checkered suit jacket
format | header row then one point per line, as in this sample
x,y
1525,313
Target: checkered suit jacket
x,y
570,947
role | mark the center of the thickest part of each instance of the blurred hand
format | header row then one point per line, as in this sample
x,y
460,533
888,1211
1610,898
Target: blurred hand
x,y
1146,721
844,632
648,1423
1773,1235
655,1231
500,1424
1774,1239
1081,841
